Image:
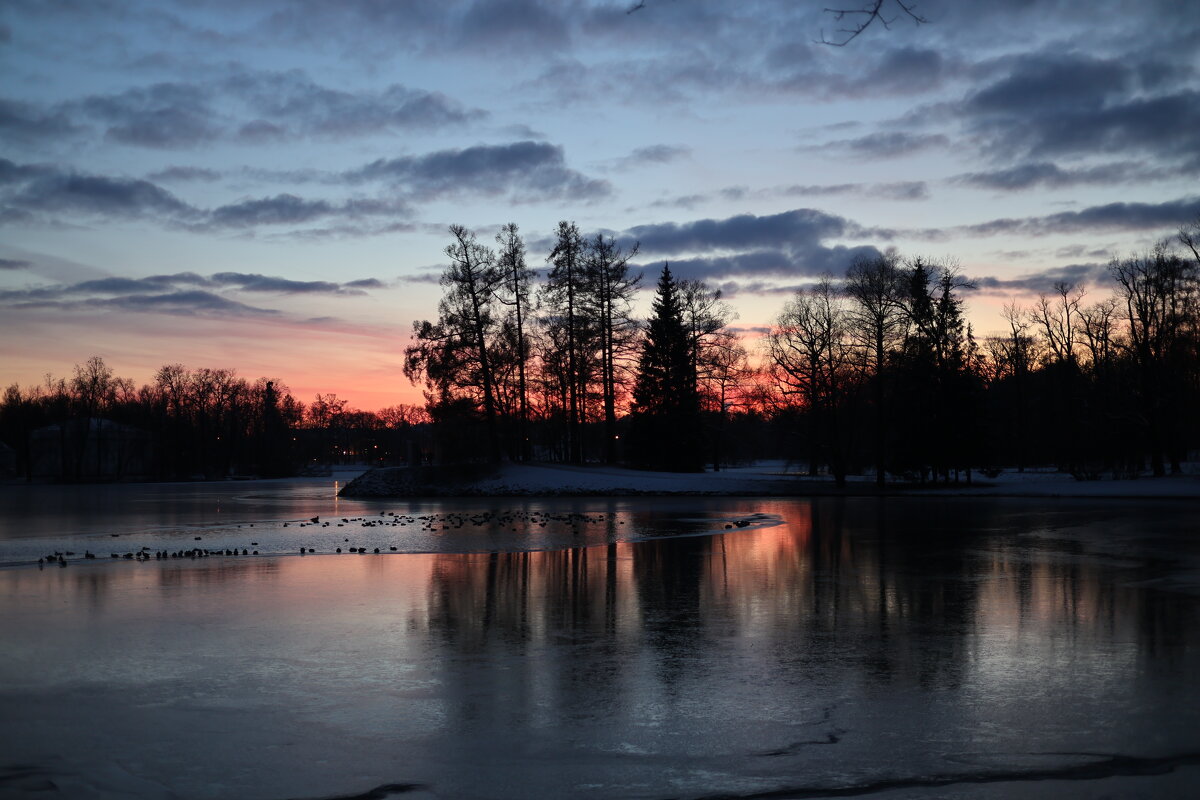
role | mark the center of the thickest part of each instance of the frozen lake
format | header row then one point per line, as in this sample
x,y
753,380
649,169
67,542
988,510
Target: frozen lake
x,y
596,648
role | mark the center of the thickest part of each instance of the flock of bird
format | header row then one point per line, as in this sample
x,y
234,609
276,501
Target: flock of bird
x,y
426,523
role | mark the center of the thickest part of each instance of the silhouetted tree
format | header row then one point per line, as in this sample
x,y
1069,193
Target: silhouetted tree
x,y
876,321
810,353
514,292
609,299
564,297
452,356
666,408
1158,297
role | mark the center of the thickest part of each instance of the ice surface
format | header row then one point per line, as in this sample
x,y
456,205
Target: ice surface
x,y
919,648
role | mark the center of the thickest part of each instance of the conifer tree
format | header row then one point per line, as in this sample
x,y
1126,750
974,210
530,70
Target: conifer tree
x,y
666,407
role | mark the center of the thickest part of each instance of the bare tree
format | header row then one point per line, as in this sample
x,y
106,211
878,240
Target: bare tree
x,y
705,316
563,296
857,19
454,354
1097,324
1058,320
876,318
1157,292
513,291
610,295
810,353
860,18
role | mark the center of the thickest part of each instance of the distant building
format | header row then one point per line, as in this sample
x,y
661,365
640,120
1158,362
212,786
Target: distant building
x,y
96,449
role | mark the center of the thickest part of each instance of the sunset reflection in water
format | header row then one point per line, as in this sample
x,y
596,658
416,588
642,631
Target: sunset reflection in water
x,y
900,632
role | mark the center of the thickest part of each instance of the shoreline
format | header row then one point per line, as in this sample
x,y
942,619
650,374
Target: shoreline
x,y
566,481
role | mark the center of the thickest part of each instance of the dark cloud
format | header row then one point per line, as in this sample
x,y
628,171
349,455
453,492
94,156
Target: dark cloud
x,y
523,171
291,100
282,209
1053,81
14,263
58,192
1045,173
902,70
899,190
163,115
741,232
260,131
26,123
365,283
751,251
250,107
1075,104
268,283
526,171
653,154
520,26
1083,250
821,190
688,201
186,293
887,144
32,192
184,302
184,175
1112,216
806,262
1044,281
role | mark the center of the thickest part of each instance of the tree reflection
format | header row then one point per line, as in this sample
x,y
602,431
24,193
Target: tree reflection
x,y
885,592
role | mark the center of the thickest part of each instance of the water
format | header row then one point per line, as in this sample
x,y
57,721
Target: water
x,y
630,648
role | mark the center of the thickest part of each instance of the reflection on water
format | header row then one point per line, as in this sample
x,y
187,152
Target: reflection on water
x,y
872,643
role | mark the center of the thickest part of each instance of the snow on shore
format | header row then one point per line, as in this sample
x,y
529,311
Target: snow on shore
x,y
768,478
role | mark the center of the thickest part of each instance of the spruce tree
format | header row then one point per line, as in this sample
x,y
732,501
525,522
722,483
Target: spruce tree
x,y
666,408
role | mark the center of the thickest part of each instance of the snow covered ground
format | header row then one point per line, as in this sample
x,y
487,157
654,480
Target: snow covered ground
x,y
781,479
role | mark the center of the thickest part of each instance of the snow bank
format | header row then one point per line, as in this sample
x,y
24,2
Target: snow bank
x,y
766,479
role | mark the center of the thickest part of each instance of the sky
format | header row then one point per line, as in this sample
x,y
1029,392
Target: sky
x,y
266,185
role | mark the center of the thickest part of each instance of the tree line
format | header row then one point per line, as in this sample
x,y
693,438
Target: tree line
x,y
203,422
877,371
874,372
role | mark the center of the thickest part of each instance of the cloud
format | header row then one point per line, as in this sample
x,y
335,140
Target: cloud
x,y
249,107
184,175
653,154
754,250
32,193
44,189
886,144
522,171
1045,173
292,101
163,115
737,233
365,283
1073,104
26,123
509,26
266,283
185,293
1111,216
1044,281
526,171
898,190
14,263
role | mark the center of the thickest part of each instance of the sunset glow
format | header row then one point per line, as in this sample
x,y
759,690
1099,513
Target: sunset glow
x,y
266,186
